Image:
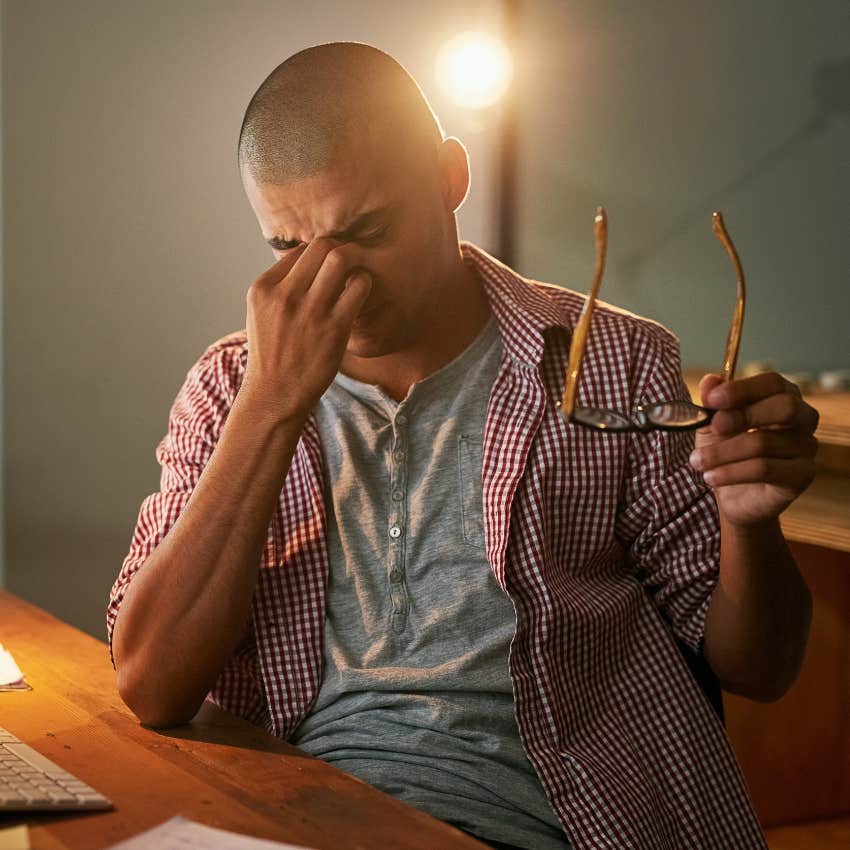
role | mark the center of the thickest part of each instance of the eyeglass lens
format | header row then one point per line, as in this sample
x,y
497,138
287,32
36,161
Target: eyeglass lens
x,y
667,414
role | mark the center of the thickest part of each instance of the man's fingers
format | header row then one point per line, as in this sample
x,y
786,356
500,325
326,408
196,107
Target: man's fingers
x,y
330,279
754,444
746,391
784,410
795,474
299,267
276,273
357,289
319,257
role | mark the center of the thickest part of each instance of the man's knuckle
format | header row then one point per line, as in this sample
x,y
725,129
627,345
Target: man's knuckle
x,y
286,298
814,415
252,296
788,407
776,383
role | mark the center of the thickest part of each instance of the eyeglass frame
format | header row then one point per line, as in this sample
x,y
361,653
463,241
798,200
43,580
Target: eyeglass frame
x,y
578,342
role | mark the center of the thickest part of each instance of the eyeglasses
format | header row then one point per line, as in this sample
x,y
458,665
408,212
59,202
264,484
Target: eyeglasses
x,y
672,415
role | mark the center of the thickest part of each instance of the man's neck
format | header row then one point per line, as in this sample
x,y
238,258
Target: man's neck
x,y
462,316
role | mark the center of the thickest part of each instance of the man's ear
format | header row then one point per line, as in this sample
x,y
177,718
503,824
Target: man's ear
x,y
453,161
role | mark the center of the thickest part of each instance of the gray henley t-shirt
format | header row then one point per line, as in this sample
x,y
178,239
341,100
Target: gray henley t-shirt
x,y
416,698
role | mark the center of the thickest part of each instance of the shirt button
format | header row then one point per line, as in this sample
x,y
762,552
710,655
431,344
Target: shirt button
x,y
401,419
398,455
395,576
395,532
397,495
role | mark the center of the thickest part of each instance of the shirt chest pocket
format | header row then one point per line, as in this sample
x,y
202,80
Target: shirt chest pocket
x,y
471,496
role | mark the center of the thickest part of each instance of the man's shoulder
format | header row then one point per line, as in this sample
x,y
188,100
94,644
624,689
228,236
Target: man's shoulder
x,y
222,363
548,304
612,321
234,344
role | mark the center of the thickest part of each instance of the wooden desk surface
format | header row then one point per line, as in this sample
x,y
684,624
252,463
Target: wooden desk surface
x,y
218,770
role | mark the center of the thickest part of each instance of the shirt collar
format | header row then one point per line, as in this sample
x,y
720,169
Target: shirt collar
x,y
523,312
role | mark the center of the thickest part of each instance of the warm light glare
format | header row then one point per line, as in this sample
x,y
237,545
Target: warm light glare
x,y
474,69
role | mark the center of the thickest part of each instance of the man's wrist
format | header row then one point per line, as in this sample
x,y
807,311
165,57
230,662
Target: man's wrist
x,y
268,412
758,550
751,533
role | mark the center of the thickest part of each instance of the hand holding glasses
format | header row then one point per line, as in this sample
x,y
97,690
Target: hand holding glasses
x,y
666,415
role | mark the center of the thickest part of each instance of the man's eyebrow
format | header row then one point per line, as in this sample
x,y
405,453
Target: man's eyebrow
x,y
357,225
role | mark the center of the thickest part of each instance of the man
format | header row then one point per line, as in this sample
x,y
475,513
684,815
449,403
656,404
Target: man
x,y
377,537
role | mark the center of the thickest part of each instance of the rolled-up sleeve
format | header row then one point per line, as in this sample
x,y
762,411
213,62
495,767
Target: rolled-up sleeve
x,y
194,425
668,518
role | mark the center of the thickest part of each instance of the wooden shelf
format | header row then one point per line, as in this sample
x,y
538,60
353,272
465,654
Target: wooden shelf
x,y
834,425
822,514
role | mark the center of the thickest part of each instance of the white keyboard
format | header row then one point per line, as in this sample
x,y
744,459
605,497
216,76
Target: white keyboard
x,y
30,782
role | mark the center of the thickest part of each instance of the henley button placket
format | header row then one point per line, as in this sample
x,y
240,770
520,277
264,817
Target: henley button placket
x,y
398,516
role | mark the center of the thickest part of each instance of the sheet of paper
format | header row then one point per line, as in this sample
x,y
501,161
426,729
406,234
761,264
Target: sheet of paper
x,y
11,677
15,838
182,834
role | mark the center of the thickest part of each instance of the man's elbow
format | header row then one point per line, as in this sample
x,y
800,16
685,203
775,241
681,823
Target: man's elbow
x,y
773,681
150,708
766,671
762,690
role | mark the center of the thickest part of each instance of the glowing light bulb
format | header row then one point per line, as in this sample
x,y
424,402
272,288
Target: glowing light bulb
x,y
474,69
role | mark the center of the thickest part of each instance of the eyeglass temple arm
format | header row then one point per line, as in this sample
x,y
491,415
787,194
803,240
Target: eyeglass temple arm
x,y
733,341
579,340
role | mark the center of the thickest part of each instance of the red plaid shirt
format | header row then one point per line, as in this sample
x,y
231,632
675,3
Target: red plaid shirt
x,y
608,545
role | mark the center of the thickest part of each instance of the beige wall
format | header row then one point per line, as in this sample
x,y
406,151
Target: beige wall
x,y
130,244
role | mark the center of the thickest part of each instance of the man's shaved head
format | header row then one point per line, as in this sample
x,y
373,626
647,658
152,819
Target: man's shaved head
x,y
341,158
308,111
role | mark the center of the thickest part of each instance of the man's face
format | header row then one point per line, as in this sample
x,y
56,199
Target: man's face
x,y
392,217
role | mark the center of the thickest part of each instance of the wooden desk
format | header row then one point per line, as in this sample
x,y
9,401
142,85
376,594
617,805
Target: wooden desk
x,y
218,770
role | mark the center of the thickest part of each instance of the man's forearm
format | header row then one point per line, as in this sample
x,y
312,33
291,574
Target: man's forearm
x,y
187,606
758,619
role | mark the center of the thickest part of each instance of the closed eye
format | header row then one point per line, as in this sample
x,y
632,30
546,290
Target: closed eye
x,y
283,244
288,244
